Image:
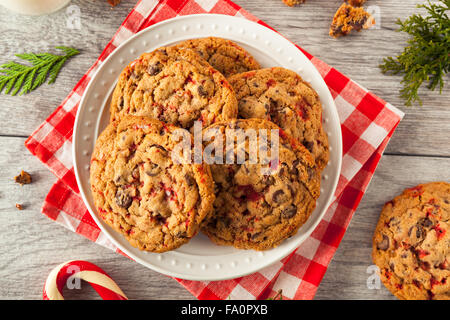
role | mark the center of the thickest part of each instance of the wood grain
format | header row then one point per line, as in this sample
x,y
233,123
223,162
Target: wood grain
x,y
32,244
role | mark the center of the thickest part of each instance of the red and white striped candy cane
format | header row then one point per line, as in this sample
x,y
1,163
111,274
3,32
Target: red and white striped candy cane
x,y
96,277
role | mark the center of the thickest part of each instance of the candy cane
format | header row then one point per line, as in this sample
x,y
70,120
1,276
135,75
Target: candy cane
x,y
97,278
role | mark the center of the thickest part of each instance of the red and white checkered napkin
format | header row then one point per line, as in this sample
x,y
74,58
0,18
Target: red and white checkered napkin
x,y
367,124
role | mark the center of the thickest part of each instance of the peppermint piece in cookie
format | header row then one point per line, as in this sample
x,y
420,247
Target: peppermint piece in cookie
x,y
141,192
176,86
260,201
224,55
281,96
348,18
411,244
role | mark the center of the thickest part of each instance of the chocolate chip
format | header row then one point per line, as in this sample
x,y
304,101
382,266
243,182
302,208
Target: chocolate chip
x,y
181,234
160,219
122,199
154,170
217,187
135,174
419,231
358,24
426,222
276,197
290,211
273,106
189,180
425,265
309,145
283,168
268,180
255,235
201,91
225,221
154,69
134,75
384,244
294,169
158,147
121,103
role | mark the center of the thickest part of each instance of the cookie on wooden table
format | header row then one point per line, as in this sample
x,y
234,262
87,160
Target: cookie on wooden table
x,y
281,96
348,18
140,192
292,3
176,86
411,244
224,55
255,210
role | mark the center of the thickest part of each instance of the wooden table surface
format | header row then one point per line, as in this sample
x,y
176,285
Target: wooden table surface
x,y
31,244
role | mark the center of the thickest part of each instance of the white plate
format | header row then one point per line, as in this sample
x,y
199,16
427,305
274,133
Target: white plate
x,y
200,259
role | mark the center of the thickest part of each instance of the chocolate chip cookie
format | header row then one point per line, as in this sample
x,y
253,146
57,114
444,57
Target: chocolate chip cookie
x,y
261,199
411,245
176,86
281,96
139,191
222,54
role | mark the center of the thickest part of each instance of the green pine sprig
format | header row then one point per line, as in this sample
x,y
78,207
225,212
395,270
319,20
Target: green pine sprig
x,y
426,56
25,78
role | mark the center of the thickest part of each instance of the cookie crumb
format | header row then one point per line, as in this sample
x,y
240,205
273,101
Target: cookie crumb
x,y
113,3
23,178
19,206
348,18
356,3
292,3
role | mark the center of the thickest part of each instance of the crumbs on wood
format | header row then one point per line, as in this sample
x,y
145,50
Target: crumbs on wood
x,y
23,178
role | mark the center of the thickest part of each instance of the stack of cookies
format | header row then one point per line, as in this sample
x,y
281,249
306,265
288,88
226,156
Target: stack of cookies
x,y
159,203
